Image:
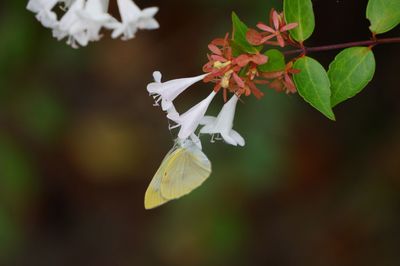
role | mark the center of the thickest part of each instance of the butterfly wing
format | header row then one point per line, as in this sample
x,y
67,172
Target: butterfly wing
x,y
185,172
153,197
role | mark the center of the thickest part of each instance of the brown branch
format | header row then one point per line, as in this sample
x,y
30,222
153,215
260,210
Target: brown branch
x,y
306,50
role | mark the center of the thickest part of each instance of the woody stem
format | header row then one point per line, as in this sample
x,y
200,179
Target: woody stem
x,y
306,50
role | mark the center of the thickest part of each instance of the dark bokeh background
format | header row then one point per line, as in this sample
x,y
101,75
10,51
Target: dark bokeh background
x,y
80,141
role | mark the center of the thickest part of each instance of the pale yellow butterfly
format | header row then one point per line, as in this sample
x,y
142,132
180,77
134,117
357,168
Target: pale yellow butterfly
x,y
184,169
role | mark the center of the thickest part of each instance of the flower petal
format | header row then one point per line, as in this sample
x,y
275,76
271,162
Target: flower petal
x,y
157,76
237,137
266,28
207,120
190,120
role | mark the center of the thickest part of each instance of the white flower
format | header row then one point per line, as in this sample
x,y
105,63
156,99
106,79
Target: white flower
x,y
223,124
133,18
43,10
66,23
82,22
190,120
83,19
167,92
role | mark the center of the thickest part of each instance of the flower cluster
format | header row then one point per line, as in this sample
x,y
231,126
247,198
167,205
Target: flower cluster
x,y
82,20
236,71
189,121
278,29
225,70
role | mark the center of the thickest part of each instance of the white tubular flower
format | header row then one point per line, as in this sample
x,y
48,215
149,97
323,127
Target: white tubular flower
x,y
82,22
133,18
67,22
174,115
93,18
83,19
190,120
223,124
43,10
167,92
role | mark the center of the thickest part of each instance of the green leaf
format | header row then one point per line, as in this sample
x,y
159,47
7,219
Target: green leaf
x,y
276,61
313,85
237,49
300,11
350,72
239,36
384,15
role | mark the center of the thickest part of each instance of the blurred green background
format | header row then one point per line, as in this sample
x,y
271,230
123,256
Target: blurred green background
x,y
80,141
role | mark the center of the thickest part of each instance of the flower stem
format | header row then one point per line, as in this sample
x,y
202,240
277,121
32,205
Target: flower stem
x,y
375,42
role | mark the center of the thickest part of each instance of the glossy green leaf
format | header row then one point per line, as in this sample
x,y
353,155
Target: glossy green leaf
x,y
276,61
239,36
300,11
350,72
313,85
384,15
237,49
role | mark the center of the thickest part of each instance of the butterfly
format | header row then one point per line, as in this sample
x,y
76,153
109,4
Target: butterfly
x,y
183,169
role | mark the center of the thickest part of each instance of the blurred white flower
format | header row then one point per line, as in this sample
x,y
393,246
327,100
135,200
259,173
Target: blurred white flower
x,y
166,92
223,123
133,18
82,22
67,23
43,10
83,19
190,120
